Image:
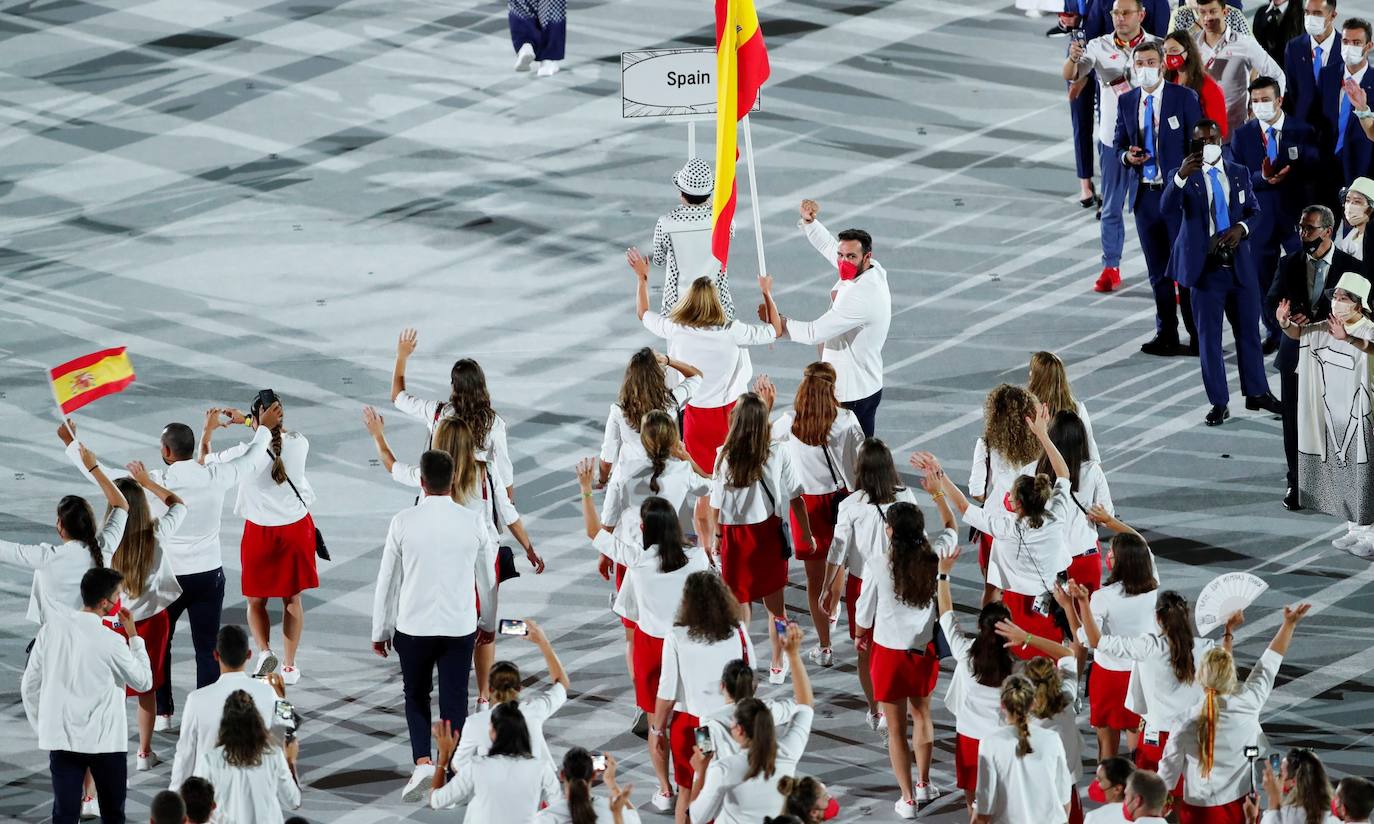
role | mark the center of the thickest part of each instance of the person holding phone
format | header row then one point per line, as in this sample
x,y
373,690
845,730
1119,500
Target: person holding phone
x,y
707,634
737,682
578,805
279,534
73,696
1297,790
435,553
508,784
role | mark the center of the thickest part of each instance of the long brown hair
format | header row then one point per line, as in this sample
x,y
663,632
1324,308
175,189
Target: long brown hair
x,y
1004,424
455,436
708,610
1049,382
1176,625
643,388
242,733
912,562
658,434
816,406
756,719
1192,62
988,656
469,400
700,307
1070,437
1018,694
77,519
874,472
137,548
1311,791
274,449
1131,565
1050,699
746,444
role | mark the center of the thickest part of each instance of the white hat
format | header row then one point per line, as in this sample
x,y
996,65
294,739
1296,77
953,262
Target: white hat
x,y
695,178
1364,186
1356,285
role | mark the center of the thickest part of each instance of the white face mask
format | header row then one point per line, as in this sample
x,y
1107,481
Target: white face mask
x,y
1211,153
1147,77
1356,214
1342,309
1264,110
1352,55
1314,23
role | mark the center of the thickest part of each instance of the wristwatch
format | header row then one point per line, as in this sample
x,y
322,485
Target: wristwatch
x,y
942,576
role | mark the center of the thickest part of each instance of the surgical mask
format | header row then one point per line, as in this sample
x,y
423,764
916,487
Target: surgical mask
x,y
1147,76
1174,62
1342,309
1352,55
848,271
1211,153
1355,214
1315,24
1264,110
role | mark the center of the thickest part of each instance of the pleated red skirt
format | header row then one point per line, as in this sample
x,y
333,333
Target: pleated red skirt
x,y
751,561
1107,699
900,674
820,512
278,561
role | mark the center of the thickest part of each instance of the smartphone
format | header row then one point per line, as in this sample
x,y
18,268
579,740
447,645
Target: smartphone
x,y
265,398
780,624
599,761
1078,35
1276,762
704,740
1195,145
285,711
510,626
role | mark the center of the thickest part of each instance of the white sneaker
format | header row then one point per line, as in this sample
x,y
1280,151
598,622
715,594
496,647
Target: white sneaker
x,y
267,662
146,761
1034,13
663,802
926,792
778,675
290,675
871,720
1347,540
548,68
823,656
162,723
419,783
90,809
1364,549
524,58
905,809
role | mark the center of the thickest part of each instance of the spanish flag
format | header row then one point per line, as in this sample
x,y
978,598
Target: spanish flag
x,y
741,68
78,382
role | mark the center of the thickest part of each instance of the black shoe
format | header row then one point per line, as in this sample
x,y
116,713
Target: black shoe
x,y
1267,402
1217,415
1057,31
1270,346
1290,500
1091,201
1160,347
1190,350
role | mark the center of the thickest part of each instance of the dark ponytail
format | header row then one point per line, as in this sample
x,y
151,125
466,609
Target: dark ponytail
x,y
278,468
756,719
738,680
1033,494
988,656
662,527
78,522
1171,611
578,773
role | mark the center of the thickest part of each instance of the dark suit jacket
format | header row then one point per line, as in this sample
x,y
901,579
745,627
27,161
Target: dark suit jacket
x,y
1290,284
1270,29
1282,204
1179,112
1191,203
1357,155
1302,97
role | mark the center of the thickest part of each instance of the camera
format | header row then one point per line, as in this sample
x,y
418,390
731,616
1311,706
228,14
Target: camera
x,y
599,761
1043,604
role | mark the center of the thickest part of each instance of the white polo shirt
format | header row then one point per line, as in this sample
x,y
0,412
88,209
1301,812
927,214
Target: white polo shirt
x,y
1112,62
1019,789
897,625
817,475
854,329
73,686
719,353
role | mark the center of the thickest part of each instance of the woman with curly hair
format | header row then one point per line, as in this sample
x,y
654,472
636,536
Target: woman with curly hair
x,y
644,389
254,779
1006,445
706,635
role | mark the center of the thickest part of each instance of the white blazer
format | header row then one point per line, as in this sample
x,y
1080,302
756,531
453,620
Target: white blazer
x,y
250,795
499,788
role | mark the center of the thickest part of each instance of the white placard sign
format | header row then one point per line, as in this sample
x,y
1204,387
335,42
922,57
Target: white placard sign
x,y
669,83
1224,596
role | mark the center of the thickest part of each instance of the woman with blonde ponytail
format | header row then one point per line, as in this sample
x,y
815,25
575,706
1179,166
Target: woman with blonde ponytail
x,y
1023,773
1056,686
278,546
1208,751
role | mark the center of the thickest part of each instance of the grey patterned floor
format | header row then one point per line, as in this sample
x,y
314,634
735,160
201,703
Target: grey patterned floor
x,y
263,194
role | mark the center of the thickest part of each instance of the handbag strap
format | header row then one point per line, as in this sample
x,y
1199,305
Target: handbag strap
x,y
491,485
293,486
772,502
834,478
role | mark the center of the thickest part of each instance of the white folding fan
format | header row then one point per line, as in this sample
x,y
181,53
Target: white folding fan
x,y
1223,597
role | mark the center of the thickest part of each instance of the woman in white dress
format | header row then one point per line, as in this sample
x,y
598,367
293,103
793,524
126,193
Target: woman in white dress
x,y
1335,419
254,779
644,389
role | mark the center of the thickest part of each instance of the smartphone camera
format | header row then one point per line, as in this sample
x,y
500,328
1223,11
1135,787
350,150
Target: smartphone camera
x,y
780,624
1275,763
1044,602
599,761
704,740
1078,35
510,626
1195,145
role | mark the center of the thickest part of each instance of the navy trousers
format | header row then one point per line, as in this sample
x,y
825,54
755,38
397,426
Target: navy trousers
x,y
866,410
202,599
109,771
1156,244
1235,293
420,655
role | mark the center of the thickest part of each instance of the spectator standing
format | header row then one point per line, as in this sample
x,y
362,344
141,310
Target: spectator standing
x,y
1232,58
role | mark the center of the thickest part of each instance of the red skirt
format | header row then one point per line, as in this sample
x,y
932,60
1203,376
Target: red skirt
x,y
853,585
278,561
648,665
1233,813
1086,570
682,737
1107,699
155,632
900,674
1033,622
620,570
703,431
751,559
820,511
984,552
1147,756
966,764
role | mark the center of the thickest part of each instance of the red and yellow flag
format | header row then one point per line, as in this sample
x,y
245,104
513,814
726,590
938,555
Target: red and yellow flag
x,y
78,382
741,68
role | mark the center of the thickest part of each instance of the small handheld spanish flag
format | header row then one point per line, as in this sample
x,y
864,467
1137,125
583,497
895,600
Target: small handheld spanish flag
x,y
80,381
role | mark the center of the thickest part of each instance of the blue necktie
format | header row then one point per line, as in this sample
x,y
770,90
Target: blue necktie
x,y
1221,211
1151,170
1271,150
1342,122
1317,67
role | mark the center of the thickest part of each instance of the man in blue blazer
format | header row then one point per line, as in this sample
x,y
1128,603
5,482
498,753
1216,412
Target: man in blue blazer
x,y
1213,201
1313,87
1348,141
1153,122
1281,153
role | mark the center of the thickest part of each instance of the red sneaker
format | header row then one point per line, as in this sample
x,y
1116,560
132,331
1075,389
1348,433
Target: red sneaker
x,y
1108,280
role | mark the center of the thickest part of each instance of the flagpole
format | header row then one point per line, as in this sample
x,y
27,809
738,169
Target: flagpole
x,y
754,195
57,405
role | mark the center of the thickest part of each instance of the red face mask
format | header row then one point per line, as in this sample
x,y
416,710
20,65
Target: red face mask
x,y
1126,814
1173,62
848,271
1336,808
831,810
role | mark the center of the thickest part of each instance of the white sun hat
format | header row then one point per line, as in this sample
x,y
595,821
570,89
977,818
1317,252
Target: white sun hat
x,y
695,178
